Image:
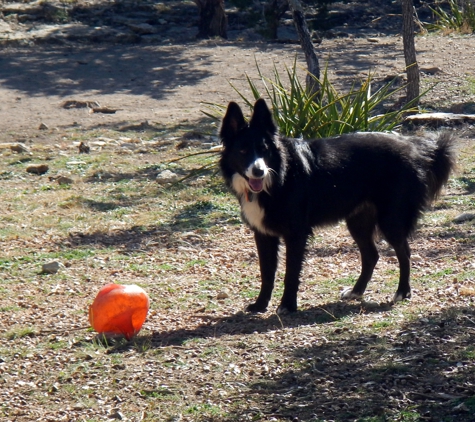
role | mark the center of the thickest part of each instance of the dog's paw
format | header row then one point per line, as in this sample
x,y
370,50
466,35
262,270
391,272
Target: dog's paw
x,y
349,294
285,309
255,308
400,296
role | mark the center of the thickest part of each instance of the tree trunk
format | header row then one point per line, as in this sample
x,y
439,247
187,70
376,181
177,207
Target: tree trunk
x,y
412,68
273,11
213,21
306,42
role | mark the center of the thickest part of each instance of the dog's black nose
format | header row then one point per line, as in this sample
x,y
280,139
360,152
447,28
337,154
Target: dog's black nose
x,y
257,172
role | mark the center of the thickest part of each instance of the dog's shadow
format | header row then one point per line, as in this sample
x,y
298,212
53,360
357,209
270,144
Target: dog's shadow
x,y
242,323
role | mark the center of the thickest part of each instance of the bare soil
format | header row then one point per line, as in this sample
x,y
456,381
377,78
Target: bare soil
x,y
164,80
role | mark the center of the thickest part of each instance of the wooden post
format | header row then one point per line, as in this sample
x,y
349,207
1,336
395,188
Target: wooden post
x,y
306,42
412,68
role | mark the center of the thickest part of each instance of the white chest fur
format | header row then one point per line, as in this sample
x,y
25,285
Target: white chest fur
x,y
253,214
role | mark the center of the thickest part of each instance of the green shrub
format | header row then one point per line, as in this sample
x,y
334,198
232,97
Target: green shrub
x,y
328,113
459,18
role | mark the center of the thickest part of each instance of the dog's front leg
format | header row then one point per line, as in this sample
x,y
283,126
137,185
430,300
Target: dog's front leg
x,y
295,251
268,251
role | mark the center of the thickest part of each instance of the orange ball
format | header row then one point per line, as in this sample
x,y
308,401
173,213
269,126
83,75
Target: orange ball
x,y
119,309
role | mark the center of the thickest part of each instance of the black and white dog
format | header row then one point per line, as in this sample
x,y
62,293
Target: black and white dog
x,y
373,181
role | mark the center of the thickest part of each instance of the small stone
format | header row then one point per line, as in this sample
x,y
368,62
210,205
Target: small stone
x,y
166,176
222,295
462,407
19,148
142,28
37,168
462,218
116,415
43,126
431,70
84,148
63,180
75,163
50,267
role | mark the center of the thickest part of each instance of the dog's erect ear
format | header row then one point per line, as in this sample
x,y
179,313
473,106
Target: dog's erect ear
x,y
233,122
262,117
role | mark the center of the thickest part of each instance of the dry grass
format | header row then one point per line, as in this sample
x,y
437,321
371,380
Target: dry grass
x,y
199,358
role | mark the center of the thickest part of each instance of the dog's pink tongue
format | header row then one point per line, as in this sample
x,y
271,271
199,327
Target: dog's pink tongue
x,y
256,184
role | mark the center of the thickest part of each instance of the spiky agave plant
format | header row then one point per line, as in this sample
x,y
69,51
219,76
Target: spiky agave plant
x,y
460,17
326,113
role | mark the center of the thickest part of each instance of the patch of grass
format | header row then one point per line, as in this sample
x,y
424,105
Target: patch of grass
x,y
12,308
57,345
203,410
20,332
160,393
380,325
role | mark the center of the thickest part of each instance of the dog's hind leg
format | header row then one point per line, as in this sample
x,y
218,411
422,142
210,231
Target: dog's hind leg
x,y
268,251
403,254
362,226
397,235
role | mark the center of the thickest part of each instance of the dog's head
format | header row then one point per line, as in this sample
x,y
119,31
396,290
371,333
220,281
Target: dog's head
x,y
250,153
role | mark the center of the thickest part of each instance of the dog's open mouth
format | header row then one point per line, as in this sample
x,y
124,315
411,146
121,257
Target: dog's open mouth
x,y
256,185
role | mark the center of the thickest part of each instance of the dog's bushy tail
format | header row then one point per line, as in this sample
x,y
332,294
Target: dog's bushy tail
x,y
443,163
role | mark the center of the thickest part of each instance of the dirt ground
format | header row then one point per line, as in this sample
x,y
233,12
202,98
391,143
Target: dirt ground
x,y
199,358
166,83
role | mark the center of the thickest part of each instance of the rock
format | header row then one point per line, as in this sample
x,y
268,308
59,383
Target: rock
x,y
128,145
145,125
75,163
69,104
37,168
5,28
222,295
84,148
438,119
19,148
50,267
63,180
7,145
116,415
431,70
26,17
43,126
166,176
12,18
31,7
105,110
462,218
142,28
